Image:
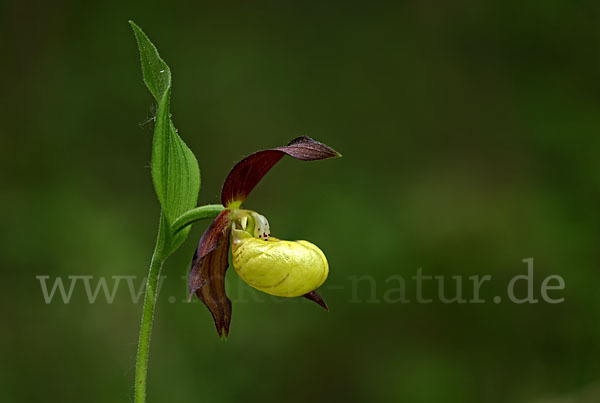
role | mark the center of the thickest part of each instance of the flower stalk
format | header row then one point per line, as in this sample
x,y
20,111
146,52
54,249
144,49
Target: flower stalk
x,y
141,367
163,246
193,215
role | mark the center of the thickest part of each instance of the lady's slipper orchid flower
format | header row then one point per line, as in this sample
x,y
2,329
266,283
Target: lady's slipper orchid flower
x,y
282,268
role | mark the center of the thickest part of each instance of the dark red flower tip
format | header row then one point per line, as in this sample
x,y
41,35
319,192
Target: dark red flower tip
x,y
248,172
207,276
315,297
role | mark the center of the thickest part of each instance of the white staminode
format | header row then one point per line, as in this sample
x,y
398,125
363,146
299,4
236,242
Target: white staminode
x,y
252,223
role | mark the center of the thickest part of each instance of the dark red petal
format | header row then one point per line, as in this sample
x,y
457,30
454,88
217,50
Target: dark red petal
x,y
207,277
315,297
214,233
248,172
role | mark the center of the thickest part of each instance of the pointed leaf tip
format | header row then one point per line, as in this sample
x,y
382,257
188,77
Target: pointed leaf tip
x,y
157,74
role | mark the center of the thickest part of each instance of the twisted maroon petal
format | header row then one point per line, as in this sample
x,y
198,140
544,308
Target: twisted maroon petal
x,y
207,277
248,172
315,297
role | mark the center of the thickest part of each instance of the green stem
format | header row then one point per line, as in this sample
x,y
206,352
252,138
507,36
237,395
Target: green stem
x,y
195,214
162,250
158,258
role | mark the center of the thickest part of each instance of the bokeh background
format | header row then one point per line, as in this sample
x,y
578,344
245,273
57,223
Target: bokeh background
x,y
470,138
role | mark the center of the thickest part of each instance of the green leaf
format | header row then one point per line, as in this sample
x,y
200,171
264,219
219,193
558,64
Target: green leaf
x,y
175,171
174,168
157,74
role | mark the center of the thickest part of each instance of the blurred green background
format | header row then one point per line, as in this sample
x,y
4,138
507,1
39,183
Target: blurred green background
x,y
470,138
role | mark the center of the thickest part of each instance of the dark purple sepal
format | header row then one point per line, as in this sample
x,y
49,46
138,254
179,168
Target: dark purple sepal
x,y
207,277
248,172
